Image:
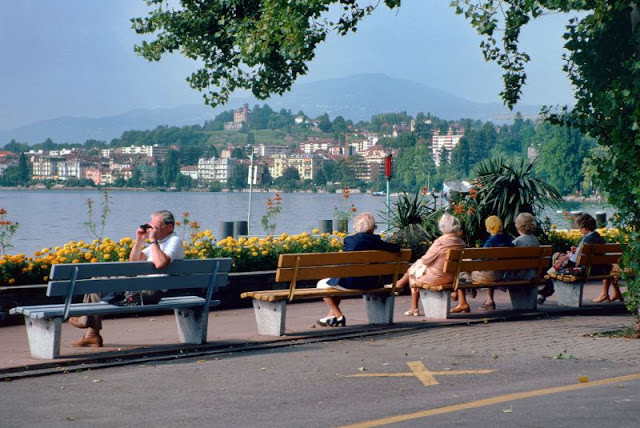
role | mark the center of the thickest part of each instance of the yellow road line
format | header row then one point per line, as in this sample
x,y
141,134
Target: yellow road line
x,y
424,375
493,400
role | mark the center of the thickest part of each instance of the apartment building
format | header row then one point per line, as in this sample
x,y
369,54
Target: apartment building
x,y
307,166
216,169
151,151
269,150
445,142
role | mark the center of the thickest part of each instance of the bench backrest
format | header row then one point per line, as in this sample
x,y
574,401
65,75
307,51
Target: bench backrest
x,y
498,259
311,266
598,254
84,278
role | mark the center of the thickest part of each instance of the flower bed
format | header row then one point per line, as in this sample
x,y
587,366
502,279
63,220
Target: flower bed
x,y
248,254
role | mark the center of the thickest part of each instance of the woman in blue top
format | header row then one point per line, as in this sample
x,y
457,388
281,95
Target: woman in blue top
x,y
497,239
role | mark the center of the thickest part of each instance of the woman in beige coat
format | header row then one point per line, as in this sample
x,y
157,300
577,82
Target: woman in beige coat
x,y
428,269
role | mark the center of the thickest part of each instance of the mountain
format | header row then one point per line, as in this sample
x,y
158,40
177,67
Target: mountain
x,y
355,97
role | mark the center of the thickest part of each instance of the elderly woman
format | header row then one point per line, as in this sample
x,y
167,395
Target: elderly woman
x,y
497,239
364,239
526,226
428,269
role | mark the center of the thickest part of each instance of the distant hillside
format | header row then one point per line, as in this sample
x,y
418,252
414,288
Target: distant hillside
x,y
355,97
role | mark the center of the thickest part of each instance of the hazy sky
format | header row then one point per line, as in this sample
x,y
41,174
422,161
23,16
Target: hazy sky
x,y
75,58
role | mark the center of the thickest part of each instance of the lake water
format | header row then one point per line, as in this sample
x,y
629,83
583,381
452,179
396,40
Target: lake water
x,y
53,217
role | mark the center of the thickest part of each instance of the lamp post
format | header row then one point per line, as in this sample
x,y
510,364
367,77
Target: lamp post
x,y
388,174
251,179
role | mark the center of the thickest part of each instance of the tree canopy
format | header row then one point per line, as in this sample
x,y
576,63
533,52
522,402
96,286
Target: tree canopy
x,y
259,45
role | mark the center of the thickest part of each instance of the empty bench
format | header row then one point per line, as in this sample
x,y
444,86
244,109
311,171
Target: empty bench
x,y
436,299
270,306
43,322
569,287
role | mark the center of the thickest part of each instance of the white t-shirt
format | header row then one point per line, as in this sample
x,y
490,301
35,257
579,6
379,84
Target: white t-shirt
x,y
171,245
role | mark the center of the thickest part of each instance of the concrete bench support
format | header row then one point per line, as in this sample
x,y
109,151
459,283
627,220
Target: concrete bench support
x,y
270,317
192,325
44,337
436,304
524,298
379,308
568,293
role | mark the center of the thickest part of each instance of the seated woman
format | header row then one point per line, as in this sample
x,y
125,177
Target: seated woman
x,y
497,239
428,269
587,227
526,226
364,239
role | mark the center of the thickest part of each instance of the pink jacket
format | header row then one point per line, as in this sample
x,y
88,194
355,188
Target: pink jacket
x,y
435,257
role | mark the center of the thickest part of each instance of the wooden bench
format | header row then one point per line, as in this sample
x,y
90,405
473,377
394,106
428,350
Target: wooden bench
x,y
43,322
569,287
436,299
270,306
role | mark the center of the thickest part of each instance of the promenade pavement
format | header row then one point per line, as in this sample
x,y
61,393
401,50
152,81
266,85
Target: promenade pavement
x,y
154,338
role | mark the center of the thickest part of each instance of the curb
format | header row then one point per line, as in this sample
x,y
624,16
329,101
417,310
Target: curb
x,y
180,352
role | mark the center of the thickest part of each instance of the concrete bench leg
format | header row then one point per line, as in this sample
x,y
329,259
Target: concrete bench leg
x,y
524,298
44,337
270,317
568,293
436,304
192,325
379,308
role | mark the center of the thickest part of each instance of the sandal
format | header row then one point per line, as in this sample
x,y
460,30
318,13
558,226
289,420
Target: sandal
x,y
412,313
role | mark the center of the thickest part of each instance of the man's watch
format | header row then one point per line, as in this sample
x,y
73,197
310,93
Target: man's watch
x,y
155,242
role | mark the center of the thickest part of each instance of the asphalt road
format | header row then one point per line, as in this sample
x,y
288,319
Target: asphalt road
x,y
531,373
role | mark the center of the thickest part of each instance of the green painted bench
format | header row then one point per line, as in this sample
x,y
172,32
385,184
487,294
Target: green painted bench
x,y
44,322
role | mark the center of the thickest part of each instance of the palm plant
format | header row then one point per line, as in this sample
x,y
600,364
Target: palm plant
x,y
413,223
509,187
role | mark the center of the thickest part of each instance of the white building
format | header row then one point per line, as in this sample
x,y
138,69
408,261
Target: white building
x,y
445,142
190,171
216,169
151,151
269,150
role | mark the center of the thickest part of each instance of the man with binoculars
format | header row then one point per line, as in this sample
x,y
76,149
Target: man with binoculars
x,y
165,246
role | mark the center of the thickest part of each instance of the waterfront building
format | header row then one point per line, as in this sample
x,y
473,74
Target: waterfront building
x,y
216,169
307,165
447,142
190,171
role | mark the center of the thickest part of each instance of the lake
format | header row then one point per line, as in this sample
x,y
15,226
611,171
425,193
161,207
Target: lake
x,y
53,217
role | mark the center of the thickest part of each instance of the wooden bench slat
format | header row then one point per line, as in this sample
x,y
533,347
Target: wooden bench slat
x,y
342,258
510,258
309,293
319,272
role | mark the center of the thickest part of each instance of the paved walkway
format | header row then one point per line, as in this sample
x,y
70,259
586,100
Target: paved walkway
x,y
155,337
